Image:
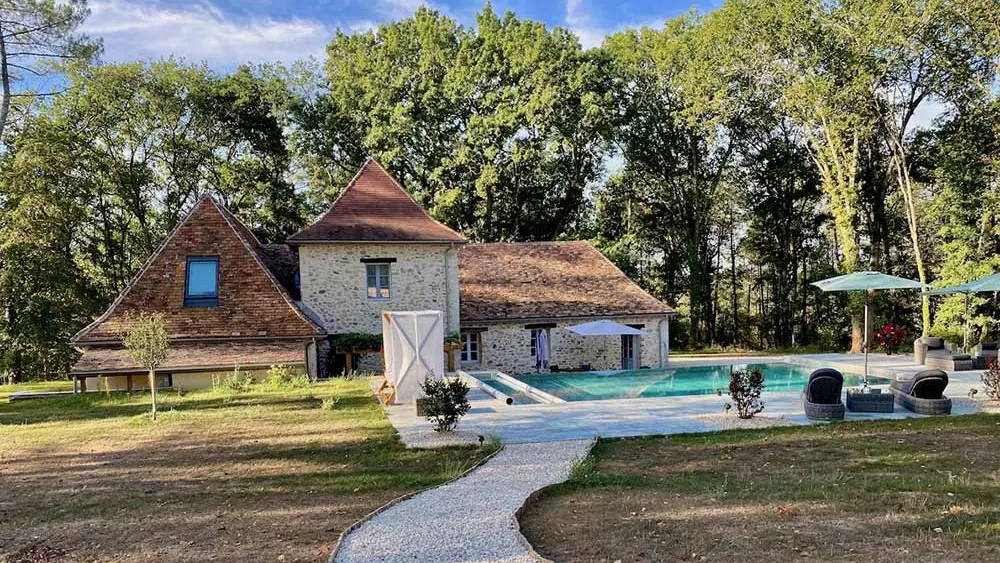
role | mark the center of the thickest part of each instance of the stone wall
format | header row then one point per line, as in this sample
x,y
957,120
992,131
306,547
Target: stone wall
x,y
423,277
507,347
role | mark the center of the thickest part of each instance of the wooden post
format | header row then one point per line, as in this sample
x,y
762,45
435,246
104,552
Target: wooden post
x,y
350,363
129,384
75,385
83,385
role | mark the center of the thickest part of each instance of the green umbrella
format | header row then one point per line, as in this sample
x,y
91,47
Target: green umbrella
x,y
865,281
988,284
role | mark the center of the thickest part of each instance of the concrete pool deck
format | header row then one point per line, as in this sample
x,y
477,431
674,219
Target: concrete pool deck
x,y
660,415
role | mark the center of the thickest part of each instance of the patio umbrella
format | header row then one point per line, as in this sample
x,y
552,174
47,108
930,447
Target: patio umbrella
x,y
603,328
989,284
866,281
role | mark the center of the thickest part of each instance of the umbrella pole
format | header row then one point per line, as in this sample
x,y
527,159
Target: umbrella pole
x,y
865,344
965,338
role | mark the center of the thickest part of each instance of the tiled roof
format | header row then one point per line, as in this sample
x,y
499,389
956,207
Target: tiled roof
x,y
196,356
375,208
546,280
252,301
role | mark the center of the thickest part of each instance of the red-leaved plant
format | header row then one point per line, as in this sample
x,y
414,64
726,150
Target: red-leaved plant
x,y
745,387
889,337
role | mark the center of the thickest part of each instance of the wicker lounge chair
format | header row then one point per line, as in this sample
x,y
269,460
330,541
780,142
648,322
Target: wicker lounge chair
x,y
923,393
821,397
936,353
985,353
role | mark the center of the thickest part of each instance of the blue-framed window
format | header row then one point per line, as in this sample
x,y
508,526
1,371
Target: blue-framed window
x,y
201,282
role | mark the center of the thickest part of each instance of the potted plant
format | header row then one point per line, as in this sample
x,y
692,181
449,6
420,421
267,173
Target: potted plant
x,y
889,337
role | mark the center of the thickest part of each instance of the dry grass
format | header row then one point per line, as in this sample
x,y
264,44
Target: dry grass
x,y
266,475
914,491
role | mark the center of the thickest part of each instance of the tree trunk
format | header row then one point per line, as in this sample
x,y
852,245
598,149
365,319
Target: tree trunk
x,y
152,390
732,266
5,80
857,334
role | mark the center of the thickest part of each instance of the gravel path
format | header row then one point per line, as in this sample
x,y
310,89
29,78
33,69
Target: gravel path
x,y
469,520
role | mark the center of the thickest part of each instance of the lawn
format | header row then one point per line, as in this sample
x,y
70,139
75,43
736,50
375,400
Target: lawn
x,y
907,491
266,475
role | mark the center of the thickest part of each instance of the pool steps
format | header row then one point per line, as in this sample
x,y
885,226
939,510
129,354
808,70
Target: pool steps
x,y
535,394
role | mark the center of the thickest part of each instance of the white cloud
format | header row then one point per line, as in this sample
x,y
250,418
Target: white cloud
x,y
579,21
926,113
136,29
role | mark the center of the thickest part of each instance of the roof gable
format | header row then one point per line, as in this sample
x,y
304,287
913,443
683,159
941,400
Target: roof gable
x,y
375,208
546,280
252,303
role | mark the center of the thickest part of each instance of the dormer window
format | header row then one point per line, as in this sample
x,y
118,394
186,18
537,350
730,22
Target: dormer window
x,y
377,276
201,283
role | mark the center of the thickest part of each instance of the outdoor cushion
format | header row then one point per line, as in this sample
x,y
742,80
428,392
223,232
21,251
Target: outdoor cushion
x,y
928,384
825,386
990,345
932,341
947,354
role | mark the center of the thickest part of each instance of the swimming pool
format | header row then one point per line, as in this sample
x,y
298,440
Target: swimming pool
x,y
670,382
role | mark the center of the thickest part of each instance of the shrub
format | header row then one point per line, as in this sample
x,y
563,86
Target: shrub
x,y
279,377
745,387
991,380
445,402
356,341
329,403
236,382
890,336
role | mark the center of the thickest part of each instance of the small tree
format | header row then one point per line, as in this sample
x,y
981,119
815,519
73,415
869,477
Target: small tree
x,y
445,402
146,341
745,387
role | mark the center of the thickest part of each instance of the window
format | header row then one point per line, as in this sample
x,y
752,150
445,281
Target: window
x,y
378,281
201,285
470,348
534,341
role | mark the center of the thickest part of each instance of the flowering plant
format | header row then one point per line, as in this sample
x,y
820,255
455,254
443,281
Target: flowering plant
x,y
890,337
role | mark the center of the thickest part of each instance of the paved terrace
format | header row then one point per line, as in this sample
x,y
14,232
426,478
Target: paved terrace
x,y
659,415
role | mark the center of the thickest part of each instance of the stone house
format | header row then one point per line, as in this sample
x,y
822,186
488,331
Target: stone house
x,y
234,303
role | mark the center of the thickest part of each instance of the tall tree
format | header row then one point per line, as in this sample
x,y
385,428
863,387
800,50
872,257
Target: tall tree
x,y
37,37
495,128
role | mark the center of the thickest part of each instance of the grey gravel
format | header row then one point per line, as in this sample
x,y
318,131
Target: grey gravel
x,y
469,520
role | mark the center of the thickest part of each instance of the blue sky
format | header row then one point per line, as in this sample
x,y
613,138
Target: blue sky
x,y
227,32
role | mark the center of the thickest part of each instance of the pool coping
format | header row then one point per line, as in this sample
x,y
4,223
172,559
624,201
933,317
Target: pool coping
x,y
549,398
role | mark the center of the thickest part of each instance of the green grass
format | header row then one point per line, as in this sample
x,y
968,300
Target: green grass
x,y
61,385
251,476
867,487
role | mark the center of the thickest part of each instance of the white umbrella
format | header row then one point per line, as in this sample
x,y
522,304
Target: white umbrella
x,y
604,328
542,349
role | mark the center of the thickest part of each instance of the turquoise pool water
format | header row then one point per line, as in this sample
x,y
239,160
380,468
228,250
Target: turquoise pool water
x,y
693,380
519,397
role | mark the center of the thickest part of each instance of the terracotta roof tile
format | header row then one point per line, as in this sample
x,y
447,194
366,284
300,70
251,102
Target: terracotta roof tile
x,y
202,356
375,208
546,280
252,301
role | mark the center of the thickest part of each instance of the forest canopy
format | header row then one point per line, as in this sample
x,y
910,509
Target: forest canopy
x,y
724,160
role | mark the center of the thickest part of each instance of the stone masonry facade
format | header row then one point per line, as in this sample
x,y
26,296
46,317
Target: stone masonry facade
x,y
422,277
507,346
